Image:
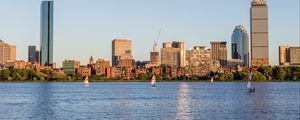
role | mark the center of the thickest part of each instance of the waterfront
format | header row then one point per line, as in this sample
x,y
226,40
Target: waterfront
x,y
137,100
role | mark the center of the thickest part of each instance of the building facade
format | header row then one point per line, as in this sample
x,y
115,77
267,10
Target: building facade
x,y
259,33
84,71
101,65
120,47
173,54
69,67
46,50
284,55
219,52
198,61
154,56
181,47
240,45
32,54
170,56
295,56
7,52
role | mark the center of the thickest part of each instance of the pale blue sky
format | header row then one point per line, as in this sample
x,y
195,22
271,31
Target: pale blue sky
x,y
84,28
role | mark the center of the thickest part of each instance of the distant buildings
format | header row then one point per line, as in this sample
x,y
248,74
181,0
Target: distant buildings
x,y
284,55
7,52
198,61
181,46
240,45
170,56
259,33
121,47
219,52
46,50
154,56
70,66
101,65
289,55
33,55
84,71
295,56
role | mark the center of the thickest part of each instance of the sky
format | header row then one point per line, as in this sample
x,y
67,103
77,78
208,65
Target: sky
x,y
84,28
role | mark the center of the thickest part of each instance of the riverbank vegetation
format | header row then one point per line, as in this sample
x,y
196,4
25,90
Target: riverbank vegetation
x,y
263,74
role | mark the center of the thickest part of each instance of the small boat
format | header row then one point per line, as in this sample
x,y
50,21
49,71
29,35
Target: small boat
x,y
249,84
212,79
86,81
153,81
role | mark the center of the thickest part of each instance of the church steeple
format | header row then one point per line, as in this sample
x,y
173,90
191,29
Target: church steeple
x,y
91,60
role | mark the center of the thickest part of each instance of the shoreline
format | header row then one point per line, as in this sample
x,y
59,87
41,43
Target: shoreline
x,y
166,81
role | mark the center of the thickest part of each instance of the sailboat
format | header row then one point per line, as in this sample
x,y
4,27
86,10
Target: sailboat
x,y
86,81
249,84
212,79
153,81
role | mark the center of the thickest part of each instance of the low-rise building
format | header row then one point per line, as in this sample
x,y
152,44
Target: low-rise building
x,y
84,71
69,67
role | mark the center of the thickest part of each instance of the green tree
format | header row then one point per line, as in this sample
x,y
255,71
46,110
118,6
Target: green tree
x,y
142,76
279,73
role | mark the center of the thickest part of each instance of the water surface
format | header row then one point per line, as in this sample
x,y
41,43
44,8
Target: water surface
x,y
168,101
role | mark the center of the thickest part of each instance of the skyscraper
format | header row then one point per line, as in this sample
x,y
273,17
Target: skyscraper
x,y
259,33
180,45
240,45
7,52
46,50
32,54
219,52
120,47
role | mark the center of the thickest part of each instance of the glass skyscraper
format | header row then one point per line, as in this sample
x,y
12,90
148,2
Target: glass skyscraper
x,y
46,50
240,45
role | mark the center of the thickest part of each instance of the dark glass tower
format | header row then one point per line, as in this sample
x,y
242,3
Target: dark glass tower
x,y
46,50
32,54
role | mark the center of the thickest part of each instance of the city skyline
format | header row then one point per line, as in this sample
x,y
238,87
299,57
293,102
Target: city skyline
x,y
95,46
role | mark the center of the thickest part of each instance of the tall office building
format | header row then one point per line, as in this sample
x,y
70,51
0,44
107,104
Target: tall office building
x,y
32,54
120,47
154,55
180,45
171,50
259,33
46,50
219,52
240,45
7,52
170,55
198,61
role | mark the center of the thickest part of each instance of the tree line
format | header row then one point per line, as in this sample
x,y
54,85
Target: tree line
x,y
261,74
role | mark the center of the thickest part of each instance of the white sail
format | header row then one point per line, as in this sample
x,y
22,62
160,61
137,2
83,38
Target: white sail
x,y
249,84
153,81
86,81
